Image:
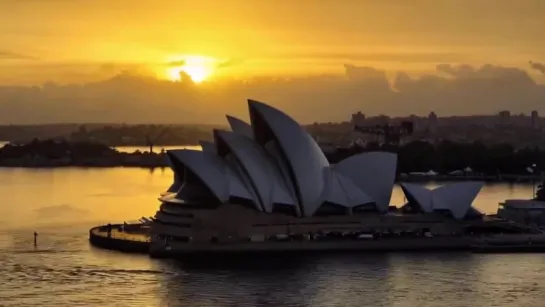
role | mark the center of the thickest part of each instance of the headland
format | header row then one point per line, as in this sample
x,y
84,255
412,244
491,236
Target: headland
x,y
447,161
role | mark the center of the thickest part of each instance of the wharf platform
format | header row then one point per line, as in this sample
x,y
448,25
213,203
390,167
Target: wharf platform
x,y
128,238
135,238
383,245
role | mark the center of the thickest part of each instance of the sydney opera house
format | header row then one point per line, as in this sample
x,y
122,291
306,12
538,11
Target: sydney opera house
x,y
268,181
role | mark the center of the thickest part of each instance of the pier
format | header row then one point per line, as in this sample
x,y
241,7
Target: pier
x,y
128,238
135,238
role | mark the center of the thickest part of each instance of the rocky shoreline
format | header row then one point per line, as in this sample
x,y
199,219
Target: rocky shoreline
x,y
62,154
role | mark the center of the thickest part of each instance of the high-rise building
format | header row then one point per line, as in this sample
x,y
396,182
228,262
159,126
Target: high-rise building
x,y
432,121
357,119
504,118
535,119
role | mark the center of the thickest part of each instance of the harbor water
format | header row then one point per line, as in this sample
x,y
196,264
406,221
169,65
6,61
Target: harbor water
x,y
63,270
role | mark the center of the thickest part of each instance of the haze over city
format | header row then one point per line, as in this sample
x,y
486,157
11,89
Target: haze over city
x,y
192,62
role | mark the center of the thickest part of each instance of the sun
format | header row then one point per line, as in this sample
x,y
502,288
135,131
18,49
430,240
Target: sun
x,y
198,68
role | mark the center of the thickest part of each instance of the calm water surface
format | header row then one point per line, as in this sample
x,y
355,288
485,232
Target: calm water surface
x,y
140,148
62,204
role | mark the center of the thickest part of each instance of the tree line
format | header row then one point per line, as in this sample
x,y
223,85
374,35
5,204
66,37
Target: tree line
x,y
447,156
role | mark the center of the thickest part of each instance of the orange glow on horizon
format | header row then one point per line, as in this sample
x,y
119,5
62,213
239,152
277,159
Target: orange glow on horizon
x,y
198,68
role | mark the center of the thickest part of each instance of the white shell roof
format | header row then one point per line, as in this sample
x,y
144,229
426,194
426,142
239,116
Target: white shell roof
x,y
343,191
456,198
374,173
207,146
264,175
239,126
304,157
275,161
418,195
178,179
214,172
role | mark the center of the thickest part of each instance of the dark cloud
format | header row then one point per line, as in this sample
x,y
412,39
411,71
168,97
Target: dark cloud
x,y
488,74
108,68
8,55
221,64
112,69
399,57
538,66
137,98
176,63
229,63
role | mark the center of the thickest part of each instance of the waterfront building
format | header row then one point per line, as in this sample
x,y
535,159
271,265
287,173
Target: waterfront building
x,y
268,180
528,212
525,211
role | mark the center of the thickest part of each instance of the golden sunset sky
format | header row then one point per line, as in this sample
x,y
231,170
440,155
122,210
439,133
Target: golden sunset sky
x,y
67,60
59,39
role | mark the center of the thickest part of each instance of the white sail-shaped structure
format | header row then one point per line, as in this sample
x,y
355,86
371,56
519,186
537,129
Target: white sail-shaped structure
x,y
274,163
263,175
455,198
239,126
207,146
374,173
211,171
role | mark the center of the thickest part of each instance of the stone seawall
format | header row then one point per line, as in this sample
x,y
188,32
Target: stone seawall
x,y
175,249
135,239
127,242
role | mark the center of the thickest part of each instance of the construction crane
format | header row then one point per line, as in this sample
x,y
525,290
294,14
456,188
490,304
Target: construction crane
x,y
391,134
151,142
